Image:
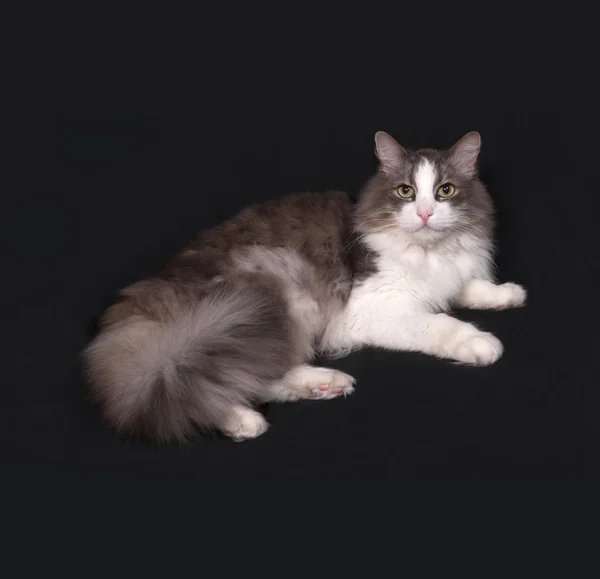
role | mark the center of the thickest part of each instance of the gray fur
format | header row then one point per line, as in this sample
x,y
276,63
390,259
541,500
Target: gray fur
x,y
162,375
379,204
245,303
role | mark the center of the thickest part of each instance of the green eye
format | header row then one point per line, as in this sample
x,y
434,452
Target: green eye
x,y
446,190
405,191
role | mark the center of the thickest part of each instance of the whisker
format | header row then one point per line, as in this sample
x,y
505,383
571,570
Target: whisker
x,y
357,239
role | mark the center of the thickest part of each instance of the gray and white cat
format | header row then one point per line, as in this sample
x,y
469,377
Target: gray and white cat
x,y
235,319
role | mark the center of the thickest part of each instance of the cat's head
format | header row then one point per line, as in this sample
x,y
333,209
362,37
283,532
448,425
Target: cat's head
x,y
426,194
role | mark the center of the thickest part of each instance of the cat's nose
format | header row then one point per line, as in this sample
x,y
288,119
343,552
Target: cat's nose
x,y
424,214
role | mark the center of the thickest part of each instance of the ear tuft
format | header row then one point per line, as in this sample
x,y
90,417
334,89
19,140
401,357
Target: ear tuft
x,y
465,152
389,151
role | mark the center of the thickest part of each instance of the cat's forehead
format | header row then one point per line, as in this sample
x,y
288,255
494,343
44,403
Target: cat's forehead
x,y
424,168
425,175
427,161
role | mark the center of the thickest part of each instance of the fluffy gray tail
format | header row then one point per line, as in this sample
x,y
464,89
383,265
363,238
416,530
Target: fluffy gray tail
x,y
164,379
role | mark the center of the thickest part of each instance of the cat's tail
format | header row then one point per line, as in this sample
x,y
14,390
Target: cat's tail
x,y
165,376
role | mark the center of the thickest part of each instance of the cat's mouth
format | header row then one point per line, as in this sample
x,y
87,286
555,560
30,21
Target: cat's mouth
x,y
428,229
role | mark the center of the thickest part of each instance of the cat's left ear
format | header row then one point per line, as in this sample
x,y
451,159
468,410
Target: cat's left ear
x,y
465,152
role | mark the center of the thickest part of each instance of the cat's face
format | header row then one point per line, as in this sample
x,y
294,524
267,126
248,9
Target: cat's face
x,y
426,193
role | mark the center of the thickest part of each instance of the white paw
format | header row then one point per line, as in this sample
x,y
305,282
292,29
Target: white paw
x,y
326,384
318,383
510,295
481,350
245,423
310,382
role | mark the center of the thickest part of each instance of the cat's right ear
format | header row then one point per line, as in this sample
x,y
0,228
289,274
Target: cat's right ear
x,y
389,152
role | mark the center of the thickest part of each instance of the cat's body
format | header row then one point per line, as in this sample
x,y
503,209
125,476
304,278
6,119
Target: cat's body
x,y
234,319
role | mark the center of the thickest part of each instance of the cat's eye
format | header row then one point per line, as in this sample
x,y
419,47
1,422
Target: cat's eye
x,y
405,191
446,190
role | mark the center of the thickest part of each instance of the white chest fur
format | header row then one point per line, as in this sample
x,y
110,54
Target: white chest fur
x,y
411,279
415,277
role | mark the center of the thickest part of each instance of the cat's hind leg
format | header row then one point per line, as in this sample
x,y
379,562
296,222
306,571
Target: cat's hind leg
x,y
244,423
301,383
309,383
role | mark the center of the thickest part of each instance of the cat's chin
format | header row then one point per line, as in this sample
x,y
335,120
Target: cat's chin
x,y
427,234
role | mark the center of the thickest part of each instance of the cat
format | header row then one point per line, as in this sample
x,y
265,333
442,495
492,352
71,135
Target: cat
x,y
234,320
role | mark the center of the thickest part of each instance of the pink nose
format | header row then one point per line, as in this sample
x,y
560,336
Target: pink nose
x,y
424,214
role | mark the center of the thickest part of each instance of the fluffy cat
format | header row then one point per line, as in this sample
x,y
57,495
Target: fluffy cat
x,y
235,318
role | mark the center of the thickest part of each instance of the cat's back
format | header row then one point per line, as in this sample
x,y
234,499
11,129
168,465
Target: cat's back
x,y
299,238
312,226
288,221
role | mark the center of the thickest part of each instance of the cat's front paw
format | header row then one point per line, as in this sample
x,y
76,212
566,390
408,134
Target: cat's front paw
x,y
480,350
510,295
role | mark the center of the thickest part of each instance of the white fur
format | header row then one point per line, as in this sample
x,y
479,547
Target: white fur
x,y
310,382
244,423
425,179
397,307
482,294
442,214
